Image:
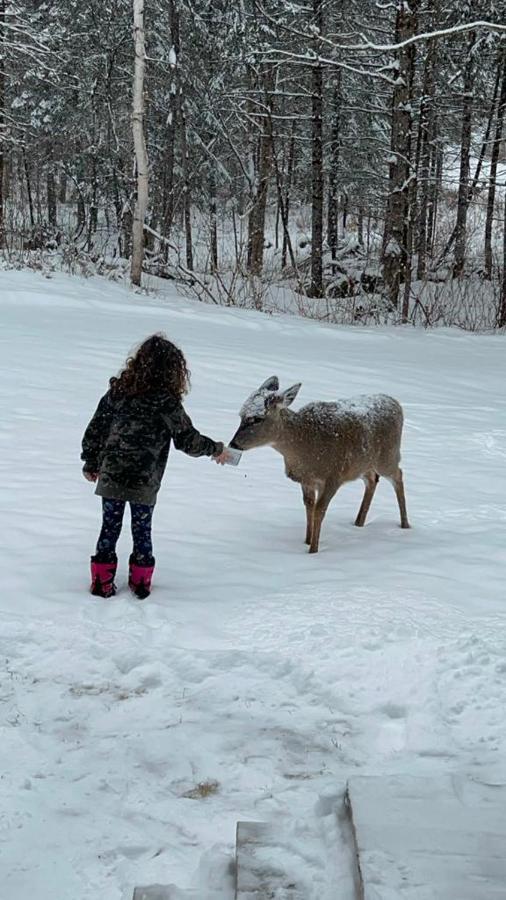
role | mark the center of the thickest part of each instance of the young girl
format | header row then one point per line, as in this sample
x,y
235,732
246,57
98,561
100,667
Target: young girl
x,y
125,449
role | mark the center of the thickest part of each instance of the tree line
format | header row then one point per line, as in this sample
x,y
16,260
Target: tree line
x,y
244,117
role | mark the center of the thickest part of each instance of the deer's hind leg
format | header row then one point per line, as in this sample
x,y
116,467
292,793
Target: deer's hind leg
x,y
309,496
371,480
398,484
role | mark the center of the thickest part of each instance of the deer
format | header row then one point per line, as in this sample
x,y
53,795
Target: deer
x,y
325,445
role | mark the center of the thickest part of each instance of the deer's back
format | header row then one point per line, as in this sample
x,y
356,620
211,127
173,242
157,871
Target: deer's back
x,y
346,438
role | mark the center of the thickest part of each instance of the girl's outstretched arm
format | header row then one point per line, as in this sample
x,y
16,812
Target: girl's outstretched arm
x,y
186,437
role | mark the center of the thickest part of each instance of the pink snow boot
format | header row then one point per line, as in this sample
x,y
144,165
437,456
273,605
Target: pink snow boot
x,y
139,578
102,577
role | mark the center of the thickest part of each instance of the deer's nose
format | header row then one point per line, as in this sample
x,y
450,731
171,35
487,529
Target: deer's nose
x,y
233,443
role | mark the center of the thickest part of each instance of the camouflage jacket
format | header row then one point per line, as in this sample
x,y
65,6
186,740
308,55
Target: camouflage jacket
x,y
127,443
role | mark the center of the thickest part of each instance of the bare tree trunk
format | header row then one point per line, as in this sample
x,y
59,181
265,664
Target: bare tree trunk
x,y
213,218
150,236
368,232
279,186
256,222
360,225
2,122
29,192
256,230
496,146
465,152
316,289
186,194
93,219
427,121
332,203
141,155
81,215
118,207
127,221
288,188
170,154
409,238
236,240
62,188
51,199
346,204
395,252
432,200
501,317
283,211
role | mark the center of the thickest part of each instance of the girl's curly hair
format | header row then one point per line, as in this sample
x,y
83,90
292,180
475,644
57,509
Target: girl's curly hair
x,y
158,366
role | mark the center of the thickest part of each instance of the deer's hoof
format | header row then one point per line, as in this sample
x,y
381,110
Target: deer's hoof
x,y
313,549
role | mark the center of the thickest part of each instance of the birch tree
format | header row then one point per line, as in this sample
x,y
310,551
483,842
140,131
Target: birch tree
x,y
141,155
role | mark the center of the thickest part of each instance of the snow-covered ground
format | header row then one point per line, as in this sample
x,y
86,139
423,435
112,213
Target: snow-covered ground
x,y
265,673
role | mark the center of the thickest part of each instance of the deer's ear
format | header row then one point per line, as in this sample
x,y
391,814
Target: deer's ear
x,y
272,384
290,394
286,398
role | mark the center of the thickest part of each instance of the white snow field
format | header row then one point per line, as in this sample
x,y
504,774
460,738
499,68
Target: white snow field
x,y
255,669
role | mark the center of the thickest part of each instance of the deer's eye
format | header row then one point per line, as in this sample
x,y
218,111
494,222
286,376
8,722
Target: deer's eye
x,y
255,420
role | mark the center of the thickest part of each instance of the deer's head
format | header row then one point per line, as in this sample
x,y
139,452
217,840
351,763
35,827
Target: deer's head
x,y
260,415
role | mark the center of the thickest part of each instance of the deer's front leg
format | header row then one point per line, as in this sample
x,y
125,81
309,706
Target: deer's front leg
x,y
309,496
320,509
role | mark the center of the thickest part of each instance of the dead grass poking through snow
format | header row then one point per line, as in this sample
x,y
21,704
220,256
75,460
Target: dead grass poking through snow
x,y
203,790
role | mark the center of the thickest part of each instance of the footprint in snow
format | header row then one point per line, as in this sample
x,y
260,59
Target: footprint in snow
x,y
391,734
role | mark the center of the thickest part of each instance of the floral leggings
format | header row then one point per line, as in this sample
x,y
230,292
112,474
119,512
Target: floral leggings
x,y
112,520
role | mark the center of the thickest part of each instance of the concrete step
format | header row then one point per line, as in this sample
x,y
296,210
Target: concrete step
x,y
262,870
163,892
441,837
260,873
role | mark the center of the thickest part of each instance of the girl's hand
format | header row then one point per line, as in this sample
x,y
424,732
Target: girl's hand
x,y
223,458
90,476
